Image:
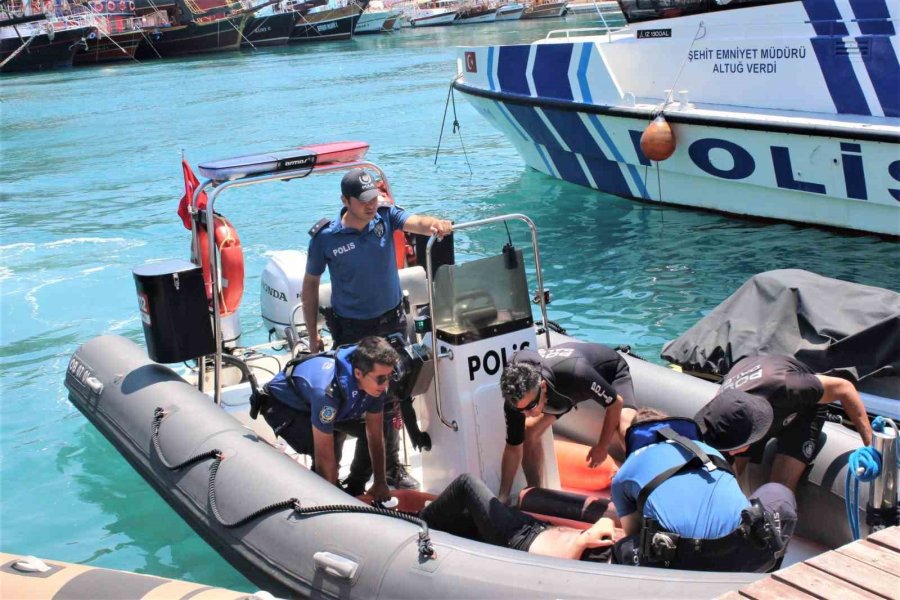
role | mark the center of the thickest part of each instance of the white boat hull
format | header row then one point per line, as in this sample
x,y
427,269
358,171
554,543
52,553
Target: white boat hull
x,y
371,22
444,18
510,12
775,132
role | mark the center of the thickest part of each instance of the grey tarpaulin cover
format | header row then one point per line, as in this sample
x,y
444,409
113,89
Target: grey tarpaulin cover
x,y
835,327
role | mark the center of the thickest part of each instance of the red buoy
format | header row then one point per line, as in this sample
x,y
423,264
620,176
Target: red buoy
x,y
658,140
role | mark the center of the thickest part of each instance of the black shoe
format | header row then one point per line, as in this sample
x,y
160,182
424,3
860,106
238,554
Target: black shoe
x,y
354,488
399,478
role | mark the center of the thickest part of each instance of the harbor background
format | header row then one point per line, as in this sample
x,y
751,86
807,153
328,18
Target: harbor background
x,y
91,180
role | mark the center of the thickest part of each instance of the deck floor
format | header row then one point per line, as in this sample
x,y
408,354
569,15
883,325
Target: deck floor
x,y
867,568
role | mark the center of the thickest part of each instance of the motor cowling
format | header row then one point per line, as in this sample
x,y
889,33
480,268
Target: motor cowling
x,y
280,286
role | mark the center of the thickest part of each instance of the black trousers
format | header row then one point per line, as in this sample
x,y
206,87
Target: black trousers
x,y
350,331
469,509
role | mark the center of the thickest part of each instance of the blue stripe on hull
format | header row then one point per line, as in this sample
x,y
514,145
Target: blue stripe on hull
x,y
567,166
873,17
884,72
551,80
532,124
825,17
511,68
842,84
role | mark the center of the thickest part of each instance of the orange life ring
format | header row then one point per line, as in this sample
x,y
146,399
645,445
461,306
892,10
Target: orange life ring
x,y
122,5
98,6
231,259
110,6
402,248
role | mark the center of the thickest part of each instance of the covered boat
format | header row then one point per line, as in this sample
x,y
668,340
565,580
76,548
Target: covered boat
x,y
290,531
835,327
780,109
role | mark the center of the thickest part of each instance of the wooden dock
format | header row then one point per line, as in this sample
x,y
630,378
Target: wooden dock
x,y
867,568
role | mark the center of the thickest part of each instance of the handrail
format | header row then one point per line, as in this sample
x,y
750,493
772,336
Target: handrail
x,y
430,276
583,31
215,276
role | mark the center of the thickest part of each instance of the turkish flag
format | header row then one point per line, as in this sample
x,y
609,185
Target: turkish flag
x,y
471,65
190,186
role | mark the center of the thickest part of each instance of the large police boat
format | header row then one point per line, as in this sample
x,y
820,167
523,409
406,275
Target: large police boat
x,y
191,434
779,109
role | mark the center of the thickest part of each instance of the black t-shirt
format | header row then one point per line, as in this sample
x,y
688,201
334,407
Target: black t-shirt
x,y
787,384
574,372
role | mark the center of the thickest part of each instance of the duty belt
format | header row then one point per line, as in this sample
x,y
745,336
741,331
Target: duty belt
x,y
386,317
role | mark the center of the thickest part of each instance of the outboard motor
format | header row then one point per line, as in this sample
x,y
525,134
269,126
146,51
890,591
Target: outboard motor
x,y
280,286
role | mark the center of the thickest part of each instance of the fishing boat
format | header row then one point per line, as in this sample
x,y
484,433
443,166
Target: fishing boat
x,y
376,19
191,435
185,27
474,13
34,42
324,23
544,9
782,110
118,32
429,14
274,23
510,11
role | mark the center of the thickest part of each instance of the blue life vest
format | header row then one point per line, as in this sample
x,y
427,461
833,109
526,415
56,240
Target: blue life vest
x,y
646,433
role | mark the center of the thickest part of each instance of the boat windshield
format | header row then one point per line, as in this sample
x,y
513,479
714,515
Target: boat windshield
x,y
481,298
636,11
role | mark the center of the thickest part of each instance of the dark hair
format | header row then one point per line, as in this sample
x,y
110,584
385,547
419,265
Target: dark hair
x,y
517,380
371,351
648,414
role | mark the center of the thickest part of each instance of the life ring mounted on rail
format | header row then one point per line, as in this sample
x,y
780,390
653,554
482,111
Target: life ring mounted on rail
x,y
231,263
402,247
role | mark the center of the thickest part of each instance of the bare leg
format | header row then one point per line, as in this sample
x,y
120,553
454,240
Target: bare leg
x,y
787,471
533,452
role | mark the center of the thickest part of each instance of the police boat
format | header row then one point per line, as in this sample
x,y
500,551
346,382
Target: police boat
x,y
190,434
775,109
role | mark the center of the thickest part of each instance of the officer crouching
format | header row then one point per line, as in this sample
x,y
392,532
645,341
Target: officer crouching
x,y
681,506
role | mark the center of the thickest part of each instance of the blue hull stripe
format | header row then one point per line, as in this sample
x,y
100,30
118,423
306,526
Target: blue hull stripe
x,y
884,72
583,64
873,17
568,166
840,79
825,17
551,71
490,69
511,69
504,110
540,149
571,129
595,121
534,127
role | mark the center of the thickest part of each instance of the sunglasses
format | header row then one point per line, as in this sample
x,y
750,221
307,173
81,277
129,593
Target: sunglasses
x,y
381,379
531,405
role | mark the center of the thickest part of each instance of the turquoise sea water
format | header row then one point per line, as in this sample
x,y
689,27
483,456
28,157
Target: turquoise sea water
x,y
90,183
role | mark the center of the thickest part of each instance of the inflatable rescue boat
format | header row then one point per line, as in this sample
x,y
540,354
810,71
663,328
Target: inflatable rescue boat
x,y
189,433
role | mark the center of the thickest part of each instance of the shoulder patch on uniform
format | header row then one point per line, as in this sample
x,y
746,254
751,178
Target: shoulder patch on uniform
x,y
315,229
327,414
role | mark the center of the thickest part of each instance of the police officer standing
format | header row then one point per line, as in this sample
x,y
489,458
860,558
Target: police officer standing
x,y
540,387
358,250
796,395
307,402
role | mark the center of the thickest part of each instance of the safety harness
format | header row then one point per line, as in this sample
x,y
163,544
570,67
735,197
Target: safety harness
x,y
755,545
257,397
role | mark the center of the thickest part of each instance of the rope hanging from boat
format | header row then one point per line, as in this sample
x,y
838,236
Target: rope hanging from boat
x,y
457,128
701,33
426,549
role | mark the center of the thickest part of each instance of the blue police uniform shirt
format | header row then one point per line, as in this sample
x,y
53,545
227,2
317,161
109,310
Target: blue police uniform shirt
x,y
697,503
362,264
312,379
